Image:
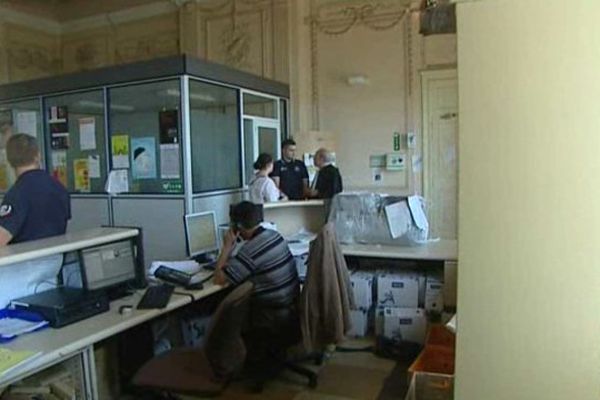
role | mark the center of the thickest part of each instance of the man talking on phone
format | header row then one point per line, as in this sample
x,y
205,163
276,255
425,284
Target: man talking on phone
x,y
265,260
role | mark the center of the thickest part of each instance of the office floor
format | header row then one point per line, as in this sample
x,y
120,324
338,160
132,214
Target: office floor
x,y
344,376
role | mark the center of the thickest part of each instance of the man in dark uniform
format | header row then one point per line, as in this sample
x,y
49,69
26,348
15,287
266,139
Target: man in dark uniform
x,y
328,181
290,175
36,206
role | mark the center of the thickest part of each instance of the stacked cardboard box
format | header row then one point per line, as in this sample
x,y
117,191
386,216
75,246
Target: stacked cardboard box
x,y
362,287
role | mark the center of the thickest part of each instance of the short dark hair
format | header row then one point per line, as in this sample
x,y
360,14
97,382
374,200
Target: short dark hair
x,y
245,214
288,142
21,150
262,161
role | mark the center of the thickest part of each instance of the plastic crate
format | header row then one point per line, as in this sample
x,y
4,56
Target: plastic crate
x,y
432,374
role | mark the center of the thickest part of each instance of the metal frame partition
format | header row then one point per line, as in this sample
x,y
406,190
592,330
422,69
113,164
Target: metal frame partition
x,y
151,88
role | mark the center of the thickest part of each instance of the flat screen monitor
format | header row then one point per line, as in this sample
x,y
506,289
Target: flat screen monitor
x,y
201,233
108,265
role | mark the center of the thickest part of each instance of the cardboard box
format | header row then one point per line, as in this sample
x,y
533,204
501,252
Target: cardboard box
x,y
360,323
434,295
362,287
395,290
405,324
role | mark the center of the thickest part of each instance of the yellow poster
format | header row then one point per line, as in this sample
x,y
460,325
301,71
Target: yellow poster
x,y
120,151
82,175
59,166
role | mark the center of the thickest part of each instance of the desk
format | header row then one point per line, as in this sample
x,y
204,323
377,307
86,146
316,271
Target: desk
x,y
443,251
58,345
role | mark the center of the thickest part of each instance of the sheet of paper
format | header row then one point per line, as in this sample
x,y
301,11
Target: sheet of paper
x,y
59,166
27,123
169,161
143,156
398,218
118,181
10,327
120,151
87,133
418,215
417,163
94,166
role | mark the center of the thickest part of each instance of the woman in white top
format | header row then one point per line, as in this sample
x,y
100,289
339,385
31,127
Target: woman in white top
x,y
262,188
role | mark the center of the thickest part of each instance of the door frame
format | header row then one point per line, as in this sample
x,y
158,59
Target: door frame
x,y
427,77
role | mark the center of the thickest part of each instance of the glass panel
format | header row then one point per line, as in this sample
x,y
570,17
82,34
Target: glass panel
x,y
17,117
249,149
215,124
283,119
267,141
259,106
75,129
145,136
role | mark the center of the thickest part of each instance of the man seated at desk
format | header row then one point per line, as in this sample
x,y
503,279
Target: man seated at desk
x,y
36,206
266,261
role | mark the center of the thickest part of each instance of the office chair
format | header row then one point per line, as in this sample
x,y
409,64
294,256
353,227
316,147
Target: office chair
x,y
203,371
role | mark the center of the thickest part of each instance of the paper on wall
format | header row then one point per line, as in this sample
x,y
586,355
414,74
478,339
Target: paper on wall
x,y
59,166
87,133
143,156
81,172
169,161
417,163
94,165
117,181
27,123
120,151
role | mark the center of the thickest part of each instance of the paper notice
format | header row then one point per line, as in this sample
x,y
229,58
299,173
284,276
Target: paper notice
x,y
59,166
94,166
87,133
118,181
82,174
120,151
169,161
27,123
143,156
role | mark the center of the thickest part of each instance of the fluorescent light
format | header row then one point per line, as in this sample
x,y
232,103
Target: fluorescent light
x,y
194,96
99,106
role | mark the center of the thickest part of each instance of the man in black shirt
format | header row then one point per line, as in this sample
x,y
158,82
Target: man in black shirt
x,y
328,181
36,206
289,174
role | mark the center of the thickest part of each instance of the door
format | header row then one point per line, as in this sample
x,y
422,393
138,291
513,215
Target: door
x,y
440,151
260,136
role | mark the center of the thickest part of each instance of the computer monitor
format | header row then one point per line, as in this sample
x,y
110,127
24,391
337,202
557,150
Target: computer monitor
x,y
108,266
201,233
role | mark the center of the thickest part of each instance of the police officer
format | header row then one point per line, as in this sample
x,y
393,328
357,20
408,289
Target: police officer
x,y
290,175
36,206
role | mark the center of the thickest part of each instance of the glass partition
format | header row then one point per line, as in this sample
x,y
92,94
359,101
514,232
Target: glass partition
x,y
259,106
17,117
260,136
283,119
215,127
76,138
145,134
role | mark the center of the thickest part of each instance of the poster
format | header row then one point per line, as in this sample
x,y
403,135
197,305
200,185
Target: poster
x,y
117,182
58,122
169,161
94,166
120,151
27,123
87,133
82,175
143,158
59,166
168,122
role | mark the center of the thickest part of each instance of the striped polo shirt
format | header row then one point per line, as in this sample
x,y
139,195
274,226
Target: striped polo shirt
x,y
266,261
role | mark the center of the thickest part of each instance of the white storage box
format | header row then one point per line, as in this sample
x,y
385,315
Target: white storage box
x,y
434,295
360,323
405,324
395,290
362,287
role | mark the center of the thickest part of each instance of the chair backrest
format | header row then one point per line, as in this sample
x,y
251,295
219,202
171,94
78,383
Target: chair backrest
x,y
223,345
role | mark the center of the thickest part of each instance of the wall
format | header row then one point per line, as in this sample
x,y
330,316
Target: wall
x,y
529,221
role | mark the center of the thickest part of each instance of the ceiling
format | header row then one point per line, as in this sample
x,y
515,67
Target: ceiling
x,y
67,10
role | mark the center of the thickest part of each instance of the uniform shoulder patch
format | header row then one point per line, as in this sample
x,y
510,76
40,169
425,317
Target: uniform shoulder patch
x,y
5,210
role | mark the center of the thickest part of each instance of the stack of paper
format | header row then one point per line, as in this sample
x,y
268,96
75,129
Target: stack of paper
x,y
11,327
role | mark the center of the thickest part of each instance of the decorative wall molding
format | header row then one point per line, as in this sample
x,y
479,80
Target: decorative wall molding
x,y
31,21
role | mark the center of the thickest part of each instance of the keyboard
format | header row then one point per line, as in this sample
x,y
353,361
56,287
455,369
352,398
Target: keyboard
x,y
156,297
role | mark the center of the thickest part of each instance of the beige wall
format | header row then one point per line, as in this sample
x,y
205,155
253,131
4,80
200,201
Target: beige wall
x,y
529,227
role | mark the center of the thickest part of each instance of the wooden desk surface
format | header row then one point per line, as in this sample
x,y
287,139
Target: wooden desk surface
x,y
59,344
443,250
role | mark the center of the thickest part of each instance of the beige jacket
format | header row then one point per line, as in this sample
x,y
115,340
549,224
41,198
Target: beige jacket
x,y
327,296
